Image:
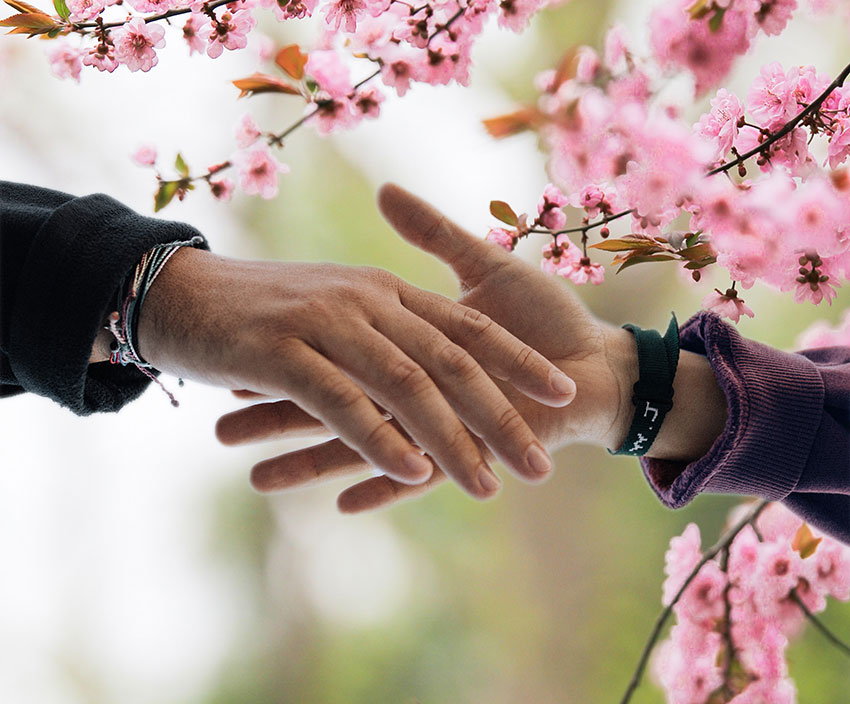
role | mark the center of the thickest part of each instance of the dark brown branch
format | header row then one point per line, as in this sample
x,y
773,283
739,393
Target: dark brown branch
x,y
787,128
724,542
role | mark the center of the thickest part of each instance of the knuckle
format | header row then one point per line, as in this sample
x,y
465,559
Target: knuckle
x,y
457,362
457,441
524,359
410,377
474,321
509,422
341,396
378,435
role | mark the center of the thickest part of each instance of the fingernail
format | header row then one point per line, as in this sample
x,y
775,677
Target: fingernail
x,y
538,460
562,383
418,465
488,480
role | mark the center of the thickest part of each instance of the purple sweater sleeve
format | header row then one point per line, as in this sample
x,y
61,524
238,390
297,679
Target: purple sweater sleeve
x,y
787,437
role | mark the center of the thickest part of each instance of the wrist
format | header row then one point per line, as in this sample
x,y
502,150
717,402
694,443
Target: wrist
x,y
622,358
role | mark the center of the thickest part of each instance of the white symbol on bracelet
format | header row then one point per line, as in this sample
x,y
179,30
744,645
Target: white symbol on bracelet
x,y
648,409
638,444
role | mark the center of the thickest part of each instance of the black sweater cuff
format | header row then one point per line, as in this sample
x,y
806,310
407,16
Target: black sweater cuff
x,y
68,284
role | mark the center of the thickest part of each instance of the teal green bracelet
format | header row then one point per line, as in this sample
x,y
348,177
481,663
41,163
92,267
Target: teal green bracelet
x,y
658,358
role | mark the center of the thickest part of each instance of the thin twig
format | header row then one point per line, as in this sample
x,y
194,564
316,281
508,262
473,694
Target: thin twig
x,y
830,636
150,18
724,542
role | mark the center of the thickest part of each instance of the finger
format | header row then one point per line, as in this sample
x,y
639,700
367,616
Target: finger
x,y
246,394
262,421
406,390
324,392
478,402
308,466
502,354
377,492
471,258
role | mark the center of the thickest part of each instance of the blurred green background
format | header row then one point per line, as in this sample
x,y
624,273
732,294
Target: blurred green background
x,y
545,594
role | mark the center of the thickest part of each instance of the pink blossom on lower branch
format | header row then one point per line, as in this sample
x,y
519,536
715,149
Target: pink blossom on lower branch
x,y
730,644
258,171
65,61
135,44
145,155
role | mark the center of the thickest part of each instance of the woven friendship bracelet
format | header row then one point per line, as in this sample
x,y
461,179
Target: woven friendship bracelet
x,y
658,358
124,322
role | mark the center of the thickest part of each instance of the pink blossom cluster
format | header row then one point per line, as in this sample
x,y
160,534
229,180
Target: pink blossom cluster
x,y
784,223
561,256
705,37
737,616
428,42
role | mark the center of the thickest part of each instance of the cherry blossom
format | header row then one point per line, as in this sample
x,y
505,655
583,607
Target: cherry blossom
x,y
65,61
230,32
145,155
135,44
258,171
727,304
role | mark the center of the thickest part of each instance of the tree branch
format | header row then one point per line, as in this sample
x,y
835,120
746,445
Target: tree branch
x,y
724,542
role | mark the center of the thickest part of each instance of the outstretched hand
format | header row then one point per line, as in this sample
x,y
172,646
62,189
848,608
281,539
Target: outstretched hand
x,y
351,347
534,307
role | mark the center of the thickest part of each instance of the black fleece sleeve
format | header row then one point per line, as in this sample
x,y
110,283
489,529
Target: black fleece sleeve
x,y
62,260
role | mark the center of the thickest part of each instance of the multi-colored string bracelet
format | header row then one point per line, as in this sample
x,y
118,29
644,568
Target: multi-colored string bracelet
x,y
123,322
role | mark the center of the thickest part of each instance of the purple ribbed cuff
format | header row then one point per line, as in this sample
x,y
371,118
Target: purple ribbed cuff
x,y
775,403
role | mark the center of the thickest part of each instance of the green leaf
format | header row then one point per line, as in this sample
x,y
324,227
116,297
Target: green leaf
x,y
502,211
716,19
699,9
691,239
642,259
180,165
167,190
61,9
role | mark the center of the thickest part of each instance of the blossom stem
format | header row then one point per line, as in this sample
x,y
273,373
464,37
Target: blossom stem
x,y
151,18
727,625
724,542
830,636
583,229
787,127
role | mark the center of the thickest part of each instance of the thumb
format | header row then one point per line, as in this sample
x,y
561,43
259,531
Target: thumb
x,y
424,226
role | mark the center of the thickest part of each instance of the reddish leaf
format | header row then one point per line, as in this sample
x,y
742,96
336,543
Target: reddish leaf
x,y
292,60
514,123
804,541
501,210
642,259
23,7
29,22
567,68
263,83
627,243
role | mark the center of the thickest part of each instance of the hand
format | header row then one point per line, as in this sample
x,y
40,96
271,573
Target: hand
x,y
540,310
334,339
533,306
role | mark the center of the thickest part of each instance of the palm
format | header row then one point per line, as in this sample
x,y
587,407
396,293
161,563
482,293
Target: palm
x,y
541,311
